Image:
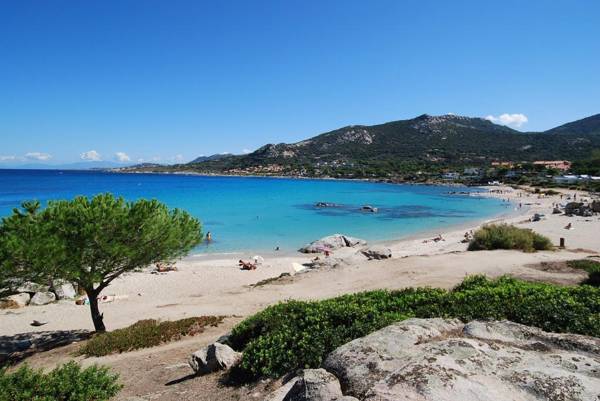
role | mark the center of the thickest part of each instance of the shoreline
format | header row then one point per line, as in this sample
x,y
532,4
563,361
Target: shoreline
x,y
213,284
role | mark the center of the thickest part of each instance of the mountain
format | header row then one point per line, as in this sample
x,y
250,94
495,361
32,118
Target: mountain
x,y
446,138
422,143
585,126
218,156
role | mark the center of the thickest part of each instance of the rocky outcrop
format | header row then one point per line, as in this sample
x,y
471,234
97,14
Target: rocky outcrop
x,y
63,289
444,360
214,357
377,252
15,301
332,242
311,385
33,287
42,298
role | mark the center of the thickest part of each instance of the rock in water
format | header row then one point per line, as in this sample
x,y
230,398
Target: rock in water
x,y
15,301
42,298
214,357
377,252
63,289
332,242
445,360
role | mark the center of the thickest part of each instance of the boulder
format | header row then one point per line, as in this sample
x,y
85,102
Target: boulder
x,y
332,242
214,357
315,385
595,206
15,301
32,287
377,252
42,298
446,360
63,289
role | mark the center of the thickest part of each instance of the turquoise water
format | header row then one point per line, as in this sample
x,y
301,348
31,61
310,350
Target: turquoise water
x,y
262,213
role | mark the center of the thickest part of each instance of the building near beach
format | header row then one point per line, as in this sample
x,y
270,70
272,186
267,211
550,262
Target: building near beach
x,y
562,165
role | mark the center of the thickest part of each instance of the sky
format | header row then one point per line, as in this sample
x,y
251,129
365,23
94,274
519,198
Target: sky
x,y
168,81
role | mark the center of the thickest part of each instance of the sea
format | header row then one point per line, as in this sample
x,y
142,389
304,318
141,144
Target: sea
x,y
261,214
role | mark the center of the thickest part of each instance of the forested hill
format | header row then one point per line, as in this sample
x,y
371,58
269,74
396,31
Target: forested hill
x,y
422,141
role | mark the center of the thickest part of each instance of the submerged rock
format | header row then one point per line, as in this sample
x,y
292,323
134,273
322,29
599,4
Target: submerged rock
x,y
446,360
332,242
214,357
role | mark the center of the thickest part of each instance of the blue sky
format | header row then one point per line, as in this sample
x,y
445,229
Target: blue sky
x,y
172,80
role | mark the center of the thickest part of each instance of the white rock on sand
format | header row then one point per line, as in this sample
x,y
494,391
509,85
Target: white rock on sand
x,y
446,360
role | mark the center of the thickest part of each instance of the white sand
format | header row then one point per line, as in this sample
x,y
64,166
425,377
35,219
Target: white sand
x,y
214,285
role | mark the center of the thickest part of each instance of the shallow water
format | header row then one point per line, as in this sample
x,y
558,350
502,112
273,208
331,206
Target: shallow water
x,y
245,213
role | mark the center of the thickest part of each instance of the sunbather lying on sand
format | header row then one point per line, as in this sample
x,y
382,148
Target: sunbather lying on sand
x,y
246,265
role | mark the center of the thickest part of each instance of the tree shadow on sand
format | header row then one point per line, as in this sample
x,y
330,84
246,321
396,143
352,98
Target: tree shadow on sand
x,y
17,347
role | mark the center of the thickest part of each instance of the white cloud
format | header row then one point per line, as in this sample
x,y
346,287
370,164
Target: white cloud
x,y
91,155
178,158
8,158
515,120
122,157
38,156
246,151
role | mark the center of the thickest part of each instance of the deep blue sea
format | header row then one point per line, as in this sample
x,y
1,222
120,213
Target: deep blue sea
x,y
262,213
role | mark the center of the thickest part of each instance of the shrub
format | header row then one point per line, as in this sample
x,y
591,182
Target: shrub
x,y
504,236
296,334
66,383
590,266
146,333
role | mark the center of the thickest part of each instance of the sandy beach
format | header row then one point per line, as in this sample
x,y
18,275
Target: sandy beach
x,y
214,284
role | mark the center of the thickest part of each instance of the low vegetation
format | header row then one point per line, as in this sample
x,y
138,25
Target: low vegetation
x,y
505,236
590,266
68,382
145,334
295,334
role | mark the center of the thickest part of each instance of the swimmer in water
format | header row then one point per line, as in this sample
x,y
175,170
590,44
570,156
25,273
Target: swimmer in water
x,y
208,237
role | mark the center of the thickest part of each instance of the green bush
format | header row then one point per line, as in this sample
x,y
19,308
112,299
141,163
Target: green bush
x,y
146,333
296,334
590,266
504,236
66,383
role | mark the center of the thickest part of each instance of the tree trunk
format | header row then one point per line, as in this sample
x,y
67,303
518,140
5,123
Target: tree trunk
x,y
97,317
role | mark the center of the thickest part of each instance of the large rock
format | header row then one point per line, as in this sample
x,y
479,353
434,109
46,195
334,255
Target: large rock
x,y
332,242
445,360
42,298
15,301
214,357
63,289
377,252
311,385
32,288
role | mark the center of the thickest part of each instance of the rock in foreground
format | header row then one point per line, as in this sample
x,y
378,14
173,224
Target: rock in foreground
x,y
214,357
332,242
446,360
